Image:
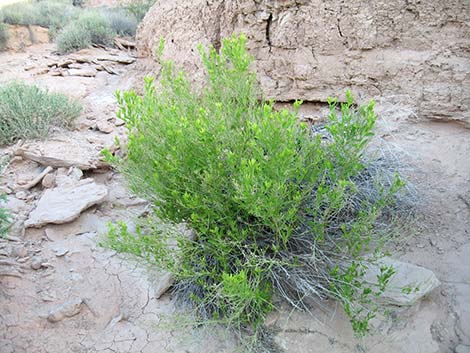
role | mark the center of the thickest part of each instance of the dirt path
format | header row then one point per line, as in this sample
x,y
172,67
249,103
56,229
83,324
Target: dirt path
x,y
61,292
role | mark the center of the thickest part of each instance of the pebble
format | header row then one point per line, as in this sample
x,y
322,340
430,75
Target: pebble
x,y
59,252
68,309
48,181
21,195
462,349
104,127
36,262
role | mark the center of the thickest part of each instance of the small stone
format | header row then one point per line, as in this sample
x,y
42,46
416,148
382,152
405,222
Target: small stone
x,y
36,262
75,173
104,127
21,195
20,251
409,283
83,72
62,171
59,252
68,309
5,190
462,349
119,122
48,181
166,281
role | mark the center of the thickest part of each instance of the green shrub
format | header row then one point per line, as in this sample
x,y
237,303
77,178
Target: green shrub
x,y
72,38
20,14
29,112
49,14
55,15
89,28
138,8
3,36
5,219
276,206
122,23
97,25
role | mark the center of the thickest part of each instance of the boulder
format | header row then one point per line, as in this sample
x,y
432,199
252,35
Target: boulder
x,y
63,204
65,153
68,309
409,283
408,52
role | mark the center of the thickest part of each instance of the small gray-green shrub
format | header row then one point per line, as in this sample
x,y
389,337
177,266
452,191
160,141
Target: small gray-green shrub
x,y
20,14
28,112
51,13
97,25
138,8
122,23
277,207
72,38
91,27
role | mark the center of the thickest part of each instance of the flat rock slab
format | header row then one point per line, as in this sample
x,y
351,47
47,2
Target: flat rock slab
x,y
409,284
63,153
65,203
85,72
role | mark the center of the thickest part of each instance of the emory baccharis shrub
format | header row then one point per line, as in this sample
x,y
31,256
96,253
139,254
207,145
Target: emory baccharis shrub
x,y
276,207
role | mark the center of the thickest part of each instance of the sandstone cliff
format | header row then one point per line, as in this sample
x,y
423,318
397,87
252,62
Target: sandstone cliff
x,y
413,52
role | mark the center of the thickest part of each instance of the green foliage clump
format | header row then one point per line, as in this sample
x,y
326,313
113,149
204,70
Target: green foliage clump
x,y
122,23
3,36
72,39
50,14
91,27
138,8
28,112
5,219
20,14
276,206
98,26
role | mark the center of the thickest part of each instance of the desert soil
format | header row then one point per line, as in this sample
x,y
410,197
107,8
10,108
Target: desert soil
x,y
61,292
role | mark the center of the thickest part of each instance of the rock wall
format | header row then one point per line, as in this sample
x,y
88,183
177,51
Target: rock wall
x,y
20,37
413,52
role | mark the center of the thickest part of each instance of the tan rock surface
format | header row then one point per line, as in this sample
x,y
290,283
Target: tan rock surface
x,y
411,52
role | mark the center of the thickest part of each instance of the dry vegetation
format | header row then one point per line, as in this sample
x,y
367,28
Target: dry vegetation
x,y
73,27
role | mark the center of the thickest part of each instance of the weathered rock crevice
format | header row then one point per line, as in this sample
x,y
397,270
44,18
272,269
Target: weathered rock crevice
x,y
410,53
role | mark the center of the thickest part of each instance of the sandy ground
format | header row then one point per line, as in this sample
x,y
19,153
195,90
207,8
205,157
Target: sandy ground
x,y
118,310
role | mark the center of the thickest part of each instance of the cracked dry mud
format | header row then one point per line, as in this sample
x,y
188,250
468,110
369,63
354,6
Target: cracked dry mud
x,y
61,292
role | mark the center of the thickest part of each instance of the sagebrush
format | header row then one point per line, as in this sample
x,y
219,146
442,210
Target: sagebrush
x,y
91,27
277,207
28,112
122,23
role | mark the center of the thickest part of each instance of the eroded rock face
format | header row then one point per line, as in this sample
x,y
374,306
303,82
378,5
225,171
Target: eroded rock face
x,y
20,36
409,52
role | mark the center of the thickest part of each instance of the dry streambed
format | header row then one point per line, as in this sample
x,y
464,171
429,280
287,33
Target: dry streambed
x,y
61,292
